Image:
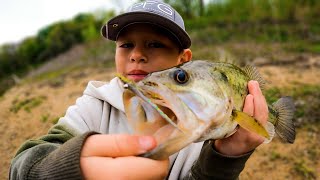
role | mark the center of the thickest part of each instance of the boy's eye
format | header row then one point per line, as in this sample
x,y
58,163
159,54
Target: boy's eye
x,y
126,45
155,45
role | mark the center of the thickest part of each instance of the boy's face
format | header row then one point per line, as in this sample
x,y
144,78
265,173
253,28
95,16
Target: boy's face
x,y
140,49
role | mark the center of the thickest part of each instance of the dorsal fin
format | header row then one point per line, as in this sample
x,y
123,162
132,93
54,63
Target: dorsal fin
x,y
254,74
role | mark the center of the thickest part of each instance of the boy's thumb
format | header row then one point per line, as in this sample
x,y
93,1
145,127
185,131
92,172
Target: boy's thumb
x,y
117,145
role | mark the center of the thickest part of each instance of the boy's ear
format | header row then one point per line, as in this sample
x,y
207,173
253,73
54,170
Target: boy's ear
x,y
186,56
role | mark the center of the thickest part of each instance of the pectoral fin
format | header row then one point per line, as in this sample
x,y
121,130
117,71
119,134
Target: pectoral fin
x,y
249,123
170,146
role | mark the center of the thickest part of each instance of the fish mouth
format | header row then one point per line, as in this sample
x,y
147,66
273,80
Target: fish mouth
x,y
156,110
150,97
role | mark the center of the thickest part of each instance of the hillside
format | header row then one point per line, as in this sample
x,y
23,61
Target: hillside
x,y
30,108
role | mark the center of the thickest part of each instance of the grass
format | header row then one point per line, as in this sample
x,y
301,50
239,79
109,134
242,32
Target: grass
x,y
273,94
302,169
306,98
56,82
274,156
47,118
44,117
26,104
313,153
52,74
55,120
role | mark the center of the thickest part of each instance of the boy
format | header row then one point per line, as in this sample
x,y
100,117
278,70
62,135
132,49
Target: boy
x,y
91,141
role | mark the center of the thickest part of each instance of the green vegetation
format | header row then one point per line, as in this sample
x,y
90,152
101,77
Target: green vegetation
x,y
313,153
27,104
55,120
301,168
282,21
272,95
48,43
274,155
307,102
292,23
46,117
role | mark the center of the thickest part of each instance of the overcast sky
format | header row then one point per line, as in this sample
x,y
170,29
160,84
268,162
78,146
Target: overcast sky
x,y
23,18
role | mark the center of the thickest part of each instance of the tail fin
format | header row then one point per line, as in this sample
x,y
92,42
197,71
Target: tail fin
x,y
283,110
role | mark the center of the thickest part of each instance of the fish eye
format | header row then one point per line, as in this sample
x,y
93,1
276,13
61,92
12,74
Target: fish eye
x,y
180,76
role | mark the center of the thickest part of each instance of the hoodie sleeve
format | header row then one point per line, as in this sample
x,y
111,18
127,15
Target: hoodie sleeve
x,y
56,155
53,156
213,165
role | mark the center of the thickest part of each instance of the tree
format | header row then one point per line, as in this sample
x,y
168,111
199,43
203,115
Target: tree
x,y
201,7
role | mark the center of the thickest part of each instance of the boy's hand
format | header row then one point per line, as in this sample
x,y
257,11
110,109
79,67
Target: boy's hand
x,y
244,141
114,157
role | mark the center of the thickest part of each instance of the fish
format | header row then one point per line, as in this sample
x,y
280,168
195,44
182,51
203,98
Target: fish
x,y
197,101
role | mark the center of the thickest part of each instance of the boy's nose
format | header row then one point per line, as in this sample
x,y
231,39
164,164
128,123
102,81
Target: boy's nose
x,y
138,56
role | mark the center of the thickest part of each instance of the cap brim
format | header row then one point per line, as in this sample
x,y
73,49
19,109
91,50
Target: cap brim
x,y
114,26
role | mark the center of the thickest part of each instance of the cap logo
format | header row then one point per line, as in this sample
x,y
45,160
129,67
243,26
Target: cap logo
x,y
154,6
166,9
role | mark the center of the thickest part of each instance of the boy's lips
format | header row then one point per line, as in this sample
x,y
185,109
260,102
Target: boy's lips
x,y
137,75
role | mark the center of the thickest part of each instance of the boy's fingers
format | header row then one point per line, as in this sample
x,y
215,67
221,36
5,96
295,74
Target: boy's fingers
x,y
125,168
249,105
117,145
260,104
